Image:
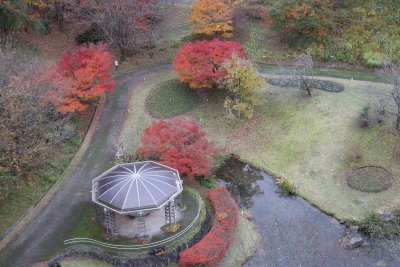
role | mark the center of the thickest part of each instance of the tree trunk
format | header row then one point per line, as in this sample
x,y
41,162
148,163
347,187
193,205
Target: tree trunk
x,y
60,15
309,90
123,53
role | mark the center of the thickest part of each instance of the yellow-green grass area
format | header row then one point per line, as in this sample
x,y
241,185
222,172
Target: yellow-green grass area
x,y
82,261
137,117
30,191
260,42
307,140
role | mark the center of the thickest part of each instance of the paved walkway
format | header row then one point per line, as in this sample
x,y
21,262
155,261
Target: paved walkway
x,y
46,233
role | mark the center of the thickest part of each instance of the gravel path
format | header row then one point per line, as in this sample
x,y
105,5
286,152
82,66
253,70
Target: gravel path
x,y
46,233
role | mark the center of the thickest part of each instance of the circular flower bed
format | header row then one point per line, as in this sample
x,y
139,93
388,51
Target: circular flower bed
x,y
369,179
170,98
328,86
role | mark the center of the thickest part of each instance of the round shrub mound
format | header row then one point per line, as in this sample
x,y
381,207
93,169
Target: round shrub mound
x,y
169,99
369,179
328,86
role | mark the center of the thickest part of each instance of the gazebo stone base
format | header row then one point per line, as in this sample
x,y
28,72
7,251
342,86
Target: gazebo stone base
x,y
128,226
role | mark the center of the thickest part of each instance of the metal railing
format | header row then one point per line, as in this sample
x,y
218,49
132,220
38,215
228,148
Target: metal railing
x,y
168,240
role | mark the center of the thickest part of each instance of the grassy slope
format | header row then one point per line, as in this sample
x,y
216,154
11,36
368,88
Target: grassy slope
x,y
305,139
30,191
168,38
137,118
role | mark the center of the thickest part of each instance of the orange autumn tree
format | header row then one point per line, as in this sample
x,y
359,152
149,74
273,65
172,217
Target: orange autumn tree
x,y
212,17
199,63
80,76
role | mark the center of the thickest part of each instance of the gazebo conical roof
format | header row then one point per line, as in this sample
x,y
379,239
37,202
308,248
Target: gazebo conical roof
x,y
134,187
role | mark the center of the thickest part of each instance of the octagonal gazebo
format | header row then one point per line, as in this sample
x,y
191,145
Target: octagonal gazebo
x,y
135,189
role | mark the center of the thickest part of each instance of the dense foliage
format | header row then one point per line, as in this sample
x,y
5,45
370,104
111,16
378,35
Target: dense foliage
x,y
199,63
241,79
127,25
300,22
80,76
91,35
178,143
350,31
212,17
212,248
29,130
169,99
17,14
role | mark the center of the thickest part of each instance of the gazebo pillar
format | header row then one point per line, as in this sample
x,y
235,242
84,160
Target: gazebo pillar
x,y
141,224
170,212
109,221
100,214
178,201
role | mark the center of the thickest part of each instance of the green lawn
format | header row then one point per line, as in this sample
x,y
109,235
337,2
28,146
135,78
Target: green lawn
x,y
307,140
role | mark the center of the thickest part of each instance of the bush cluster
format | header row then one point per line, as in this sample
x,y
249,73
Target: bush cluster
x,y
286,187
208,181
377,227
354,32
92,35
211,249
366,118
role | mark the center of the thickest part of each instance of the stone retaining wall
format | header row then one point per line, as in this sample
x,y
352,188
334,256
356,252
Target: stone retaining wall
x,y
151,261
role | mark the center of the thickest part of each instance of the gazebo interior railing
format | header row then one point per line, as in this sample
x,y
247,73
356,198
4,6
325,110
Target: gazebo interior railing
x,y
148,246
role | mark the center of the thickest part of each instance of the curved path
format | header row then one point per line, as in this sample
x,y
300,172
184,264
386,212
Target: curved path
x,y
46,233
51,227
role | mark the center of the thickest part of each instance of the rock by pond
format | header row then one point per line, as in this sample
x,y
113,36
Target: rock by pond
x,y
295,233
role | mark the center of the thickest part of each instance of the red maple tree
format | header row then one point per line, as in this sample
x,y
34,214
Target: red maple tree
x,y
199,63
178,143
80,76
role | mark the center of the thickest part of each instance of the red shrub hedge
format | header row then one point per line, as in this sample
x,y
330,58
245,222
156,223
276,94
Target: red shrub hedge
x,y
211,249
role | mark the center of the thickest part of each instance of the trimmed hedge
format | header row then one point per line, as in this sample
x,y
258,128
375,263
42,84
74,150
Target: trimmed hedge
x,y
328,86
212,248
170,98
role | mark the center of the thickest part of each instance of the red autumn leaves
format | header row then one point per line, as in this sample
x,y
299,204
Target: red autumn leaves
x,y
211,249
178,143
80,76
199,63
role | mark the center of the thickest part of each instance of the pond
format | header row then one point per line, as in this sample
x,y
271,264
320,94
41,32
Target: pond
x,y
295,233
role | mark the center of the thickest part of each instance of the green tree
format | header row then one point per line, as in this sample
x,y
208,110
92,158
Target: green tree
x,y
17,14
241,79
300,22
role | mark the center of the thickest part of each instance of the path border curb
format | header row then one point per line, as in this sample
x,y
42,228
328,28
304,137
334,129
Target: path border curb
x,y
47,197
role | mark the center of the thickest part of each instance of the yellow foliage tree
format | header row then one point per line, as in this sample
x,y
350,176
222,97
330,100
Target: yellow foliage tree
x,y
212,17
241,80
